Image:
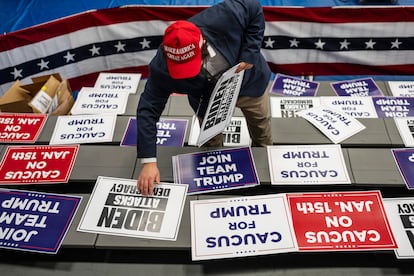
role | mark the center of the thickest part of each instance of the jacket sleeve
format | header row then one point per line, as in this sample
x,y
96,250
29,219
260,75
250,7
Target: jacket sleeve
x,y
150,106
252,18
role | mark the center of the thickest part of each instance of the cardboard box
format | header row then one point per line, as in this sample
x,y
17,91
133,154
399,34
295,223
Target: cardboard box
x,y
45,95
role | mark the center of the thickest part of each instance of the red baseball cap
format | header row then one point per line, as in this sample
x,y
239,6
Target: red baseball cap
x,y
182,46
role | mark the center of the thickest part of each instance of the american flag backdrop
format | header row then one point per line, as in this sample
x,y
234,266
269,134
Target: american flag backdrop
x,y
298,41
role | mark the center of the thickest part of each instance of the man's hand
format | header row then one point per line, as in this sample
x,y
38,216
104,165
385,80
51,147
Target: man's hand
x,y
148,176
243,66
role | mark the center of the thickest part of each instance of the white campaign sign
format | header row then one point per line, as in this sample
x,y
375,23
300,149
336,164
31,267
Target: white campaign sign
x,y
287,107
118,82
400,214
221,105
80,129
335,124
91,100
402,88
405,126
117,208
307,164
240,226
357,107
235,134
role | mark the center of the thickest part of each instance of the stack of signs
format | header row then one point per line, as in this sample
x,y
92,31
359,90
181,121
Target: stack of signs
x,y
359,87
402,88
90,100
79,129
400,212
288,107
289,86
120,82
390,107
404,159
240,226
405,127
215,170
221,106
116,207
170,132
236,134
340,221
33,221
336,125
37,164
307,164
21,127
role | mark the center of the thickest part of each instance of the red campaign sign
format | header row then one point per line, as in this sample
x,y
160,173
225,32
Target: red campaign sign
x,y
339,221
21,127
37,164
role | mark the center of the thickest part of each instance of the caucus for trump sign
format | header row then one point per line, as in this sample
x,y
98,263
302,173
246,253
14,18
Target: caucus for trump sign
x,y
240,226
215,170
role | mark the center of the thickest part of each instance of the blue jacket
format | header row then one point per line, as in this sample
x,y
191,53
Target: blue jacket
x,y
235,28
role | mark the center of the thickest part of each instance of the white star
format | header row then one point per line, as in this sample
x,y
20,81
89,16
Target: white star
x,y
120,47
269,43
145,44
319,44
69,57
43,64
17,73
294,43
95,50
344,44
395,44
370,44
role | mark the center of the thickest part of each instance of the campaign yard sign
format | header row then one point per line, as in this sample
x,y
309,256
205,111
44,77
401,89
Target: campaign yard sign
x,y
289,86
400,213
405,126
91,100
240,226
356,107
82,129
221,105
236,134
358,87
404,159
307,164
37,164
402,88
216,170
34,221
21,127
288,107
118,82
391,107
170,132
340,221
335,124
116,207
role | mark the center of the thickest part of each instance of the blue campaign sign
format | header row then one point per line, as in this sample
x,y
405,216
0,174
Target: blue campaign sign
x,y
405,162
170,132
289,86
216,170
359,87
33,221
394,107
